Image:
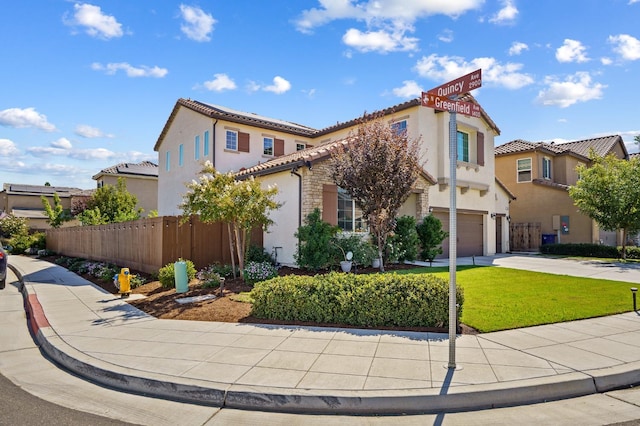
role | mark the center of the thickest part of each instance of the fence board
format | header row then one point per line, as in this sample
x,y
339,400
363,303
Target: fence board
x,y
147,244
525,236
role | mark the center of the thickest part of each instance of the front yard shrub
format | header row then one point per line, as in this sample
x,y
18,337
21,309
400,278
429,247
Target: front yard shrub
x,y
210,277
259,271
314,251
167,277
581,249
373,300
257,254
21,243
359,244
403,244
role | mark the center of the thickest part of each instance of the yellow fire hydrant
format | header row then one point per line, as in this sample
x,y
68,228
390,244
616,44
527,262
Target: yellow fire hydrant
x,y
124,282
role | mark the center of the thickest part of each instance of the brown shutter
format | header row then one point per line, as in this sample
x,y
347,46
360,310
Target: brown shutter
x,y
480,149
243,142
330,204
278,147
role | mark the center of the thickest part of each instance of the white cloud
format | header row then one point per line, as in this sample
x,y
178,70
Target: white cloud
x,y
381,41
628,47
8,148
445,68
252,86
131,71
87,131
23,118
606,61
517,48
96,23
571,51
62,143
575,88
409,89
197,25
633,1
279,86
446,36
505,15
220,83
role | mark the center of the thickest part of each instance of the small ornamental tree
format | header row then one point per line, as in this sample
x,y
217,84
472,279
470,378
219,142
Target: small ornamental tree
x,y
57,214
377,167
110,204
609,192
431,237
242,205
315,239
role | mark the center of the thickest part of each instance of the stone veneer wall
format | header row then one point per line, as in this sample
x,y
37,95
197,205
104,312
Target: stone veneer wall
x,y
320,174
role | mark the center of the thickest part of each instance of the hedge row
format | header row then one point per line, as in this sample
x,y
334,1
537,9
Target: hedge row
x,y
590,250
370,300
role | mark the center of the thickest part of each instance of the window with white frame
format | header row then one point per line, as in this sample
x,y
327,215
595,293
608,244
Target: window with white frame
x,y
463,146
232,140
300,146
546,168
267,146
349,214
399,127
205,148
524,169
196,147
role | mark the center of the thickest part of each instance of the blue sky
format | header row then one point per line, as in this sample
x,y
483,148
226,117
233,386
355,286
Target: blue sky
x,y
84,86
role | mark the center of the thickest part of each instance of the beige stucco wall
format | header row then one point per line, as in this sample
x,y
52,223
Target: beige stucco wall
x,y
144,188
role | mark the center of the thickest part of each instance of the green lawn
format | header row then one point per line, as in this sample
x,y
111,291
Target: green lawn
x,y
499,298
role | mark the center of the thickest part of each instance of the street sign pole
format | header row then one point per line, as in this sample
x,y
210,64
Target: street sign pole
x,y
453,227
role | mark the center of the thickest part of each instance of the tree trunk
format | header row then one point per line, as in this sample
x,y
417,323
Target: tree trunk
x,y
233,257
236,233
624,243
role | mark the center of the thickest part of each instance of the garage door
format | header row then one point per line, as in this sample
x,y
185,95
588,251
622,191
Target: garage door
x,y
469,229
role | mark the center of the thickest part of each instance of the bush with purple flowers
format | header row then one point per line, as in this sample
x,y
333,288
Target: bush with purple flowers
x,y
259,271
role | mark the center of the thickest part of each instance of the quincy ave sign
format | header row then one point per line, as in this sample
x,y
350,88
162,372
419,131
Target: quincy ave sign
x,y
440,97
459,85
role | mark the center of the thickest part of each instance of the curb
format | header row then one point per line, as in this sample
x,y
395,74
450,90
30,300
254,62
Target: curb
x,y
408,401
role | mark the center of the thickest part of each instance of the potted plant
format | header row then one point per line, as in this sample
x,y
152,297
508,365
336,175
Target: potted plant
x,y
347,263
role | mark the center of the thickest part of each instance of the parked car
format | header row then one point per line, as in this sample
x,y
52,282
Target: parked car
x,y
3,267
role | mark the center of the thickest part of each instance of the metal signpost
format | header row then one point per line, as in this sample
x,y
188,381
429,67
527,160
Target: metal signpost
x,y
445,98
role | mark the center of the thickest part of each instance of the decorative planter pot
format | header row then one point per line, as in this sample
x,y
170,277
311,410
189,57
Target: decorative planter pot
x,y
346,265
375,263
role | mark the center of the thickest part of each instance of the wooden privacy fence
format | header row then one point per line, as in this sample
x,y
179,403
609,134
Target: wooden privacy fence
x,y
147,244
525,236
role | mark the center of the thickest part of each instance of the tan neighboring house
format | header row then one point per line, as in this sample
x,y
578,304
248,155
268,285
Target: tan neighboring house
x,y
294,157
141,180
539,174
24,201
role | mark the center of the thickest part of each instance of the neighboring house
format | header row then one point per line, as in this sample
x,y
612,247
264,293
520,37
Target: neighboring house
x,y
294,157
141,180
24,201
539,174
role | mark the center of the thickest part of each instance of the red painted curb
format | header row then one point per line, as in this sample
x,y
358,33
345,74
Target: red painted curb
x,y
37,319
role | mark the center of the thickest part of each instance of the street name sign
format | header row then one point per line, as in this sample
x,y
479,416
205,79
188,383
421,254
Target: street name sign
x,y
460,85
444,104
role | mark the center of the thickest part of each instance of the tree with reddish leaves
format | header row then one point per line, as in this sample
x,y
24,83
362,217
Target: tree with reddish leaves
x,y
378,167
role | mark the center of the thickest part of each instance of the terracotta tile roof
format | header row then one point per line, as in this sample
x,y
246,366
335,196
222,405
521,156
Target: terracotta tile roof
x,y
305,157
634,155
144,168
601,145
224,113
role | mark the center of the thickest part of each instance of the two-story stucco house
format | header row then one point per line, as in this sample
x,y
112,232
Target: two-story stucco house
x,y
539,174
141,180
295,158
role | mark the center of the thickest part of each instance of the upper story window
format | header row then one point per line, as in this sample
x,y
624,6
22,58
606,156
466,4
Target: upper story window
x,y
197,147
167,161
349,214
205,147
180,155
400,127
267,146
463,146
546,168
524,170
232,140
300,146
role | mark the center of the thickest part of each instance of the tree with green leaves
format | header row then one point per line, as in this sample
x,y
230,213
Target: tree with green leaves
x,y
608,192
378,167
110,204
315,238
57,214
431,236
242,205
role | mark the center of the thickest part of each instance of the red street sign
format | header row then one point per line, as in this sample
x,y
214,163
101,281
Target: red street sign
x,y
459,85
444,104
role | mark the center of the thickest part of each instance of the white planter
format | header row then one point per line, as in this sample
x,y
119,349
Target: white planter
x,y
346,265
375,263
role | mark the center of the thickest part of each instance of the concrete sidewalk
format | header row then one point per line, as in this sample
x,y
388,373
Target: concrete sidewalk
x,y
310,369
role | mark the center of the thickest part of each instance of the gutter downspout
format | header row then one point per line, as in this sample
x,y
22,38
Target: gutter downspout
x,y
294,171
213,144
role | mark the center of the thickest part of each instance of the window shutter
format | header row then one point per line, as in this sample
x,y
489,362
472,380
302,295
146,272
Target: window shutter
x,y
330,204
278,147
243,142
480,149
